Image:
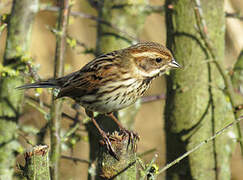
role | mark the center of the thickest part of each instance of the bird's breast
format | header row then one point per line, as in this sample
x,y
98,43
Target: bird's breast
x,y
115,96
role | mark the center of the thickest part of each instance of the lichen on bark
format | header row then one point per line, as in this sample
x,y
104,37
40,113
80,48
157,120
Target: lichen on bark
x,y
196,106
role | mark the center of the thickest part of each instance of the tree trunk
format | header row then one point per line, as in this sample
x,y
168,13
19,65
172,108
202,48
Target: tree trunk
x,y
17,47
196,106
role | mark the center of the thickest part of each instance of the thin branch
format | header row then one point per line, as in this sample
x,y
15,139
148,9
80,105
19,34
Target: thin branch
x,y
123,170
48,106
41,110
2,27
152,98
200,144
26,139
56,109
147,152
33,72
76,159
146,9
146,168
86,48
92,17
71,131
154,9
234,15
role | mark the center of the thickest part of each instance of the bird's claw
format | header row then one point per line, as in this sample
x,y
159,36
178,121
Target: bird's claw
x,y
109,147
132,138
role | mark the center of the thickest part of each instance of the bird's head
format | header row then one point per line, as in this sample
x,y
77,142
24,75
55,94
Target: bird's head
x,y
151,59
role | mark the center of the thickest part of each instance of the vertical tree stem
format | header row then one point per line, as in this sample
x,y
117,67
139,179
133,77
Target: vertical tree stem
x,y
17,46
56,109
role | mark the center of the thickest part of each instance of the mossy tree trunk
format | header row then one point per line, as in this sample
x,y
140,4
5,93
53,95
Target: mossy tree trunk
x,y
196,106
17,47
128,17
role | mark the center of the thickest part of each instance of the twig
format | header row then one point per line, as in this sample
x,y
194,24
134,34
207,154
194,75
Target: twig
x,y
234,15
146,168
71,131
76,159
154,9
123,170
146,152
33,72
200,144
201,23
27,140
2,27
92,17
48,106
86,48
146,99
147,9
41,110
56,109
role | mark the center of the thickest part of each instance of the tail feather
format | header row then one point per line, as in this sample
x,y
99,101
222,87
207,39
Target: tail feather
x,y
52,83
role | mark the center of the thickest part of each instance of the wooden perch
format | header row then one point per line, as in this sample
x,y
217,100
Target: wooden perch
x,y
37,163
109,167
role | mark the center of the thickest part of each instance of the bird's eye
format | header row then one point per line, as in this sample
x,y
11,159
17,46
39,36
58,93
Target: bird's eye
x,y
158,60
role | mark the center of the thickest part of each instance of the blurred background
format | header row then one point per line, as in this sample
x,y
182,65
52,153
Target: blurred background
x,y
149,122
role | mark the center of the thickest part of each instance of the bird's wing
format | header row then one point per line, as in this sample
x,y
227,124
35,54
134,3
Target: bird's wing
x,y
92,77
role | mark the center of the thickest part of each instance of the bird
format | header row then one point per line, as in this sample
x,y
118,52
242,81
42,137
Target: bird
x,y
113,81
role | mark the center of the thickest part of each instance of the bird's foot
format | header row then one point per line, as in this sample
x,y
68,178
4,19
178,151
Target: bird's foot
x,y
133,137
106,141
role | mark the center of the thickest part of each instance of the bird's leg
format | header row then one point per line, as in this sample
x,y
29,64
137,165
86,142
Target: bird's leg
x,y
105,138
132,135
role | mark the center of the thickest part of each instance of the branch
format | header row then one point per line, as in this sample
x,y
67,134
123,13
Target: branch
x,y
92,17
152,98
200,144
74,159
41,110
73,42
154,9
56,109
234,15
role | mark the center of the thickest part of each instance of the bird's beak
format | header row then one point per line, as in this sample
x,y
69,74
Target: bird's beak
x,y
174,64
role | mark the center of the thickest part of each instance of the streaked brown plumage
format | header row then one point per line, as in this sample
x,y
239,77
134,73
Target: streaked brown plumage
x,y
115,80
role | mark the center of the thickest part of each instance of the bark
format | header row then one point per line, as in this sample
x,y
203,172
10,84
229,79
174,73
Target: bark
x,y
110,168
237,81
124,22
17,46
56,109
196,106
37,163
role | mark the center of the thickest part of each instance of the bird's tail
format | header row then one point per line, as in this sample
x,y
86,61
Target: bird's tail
x,y
51,83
